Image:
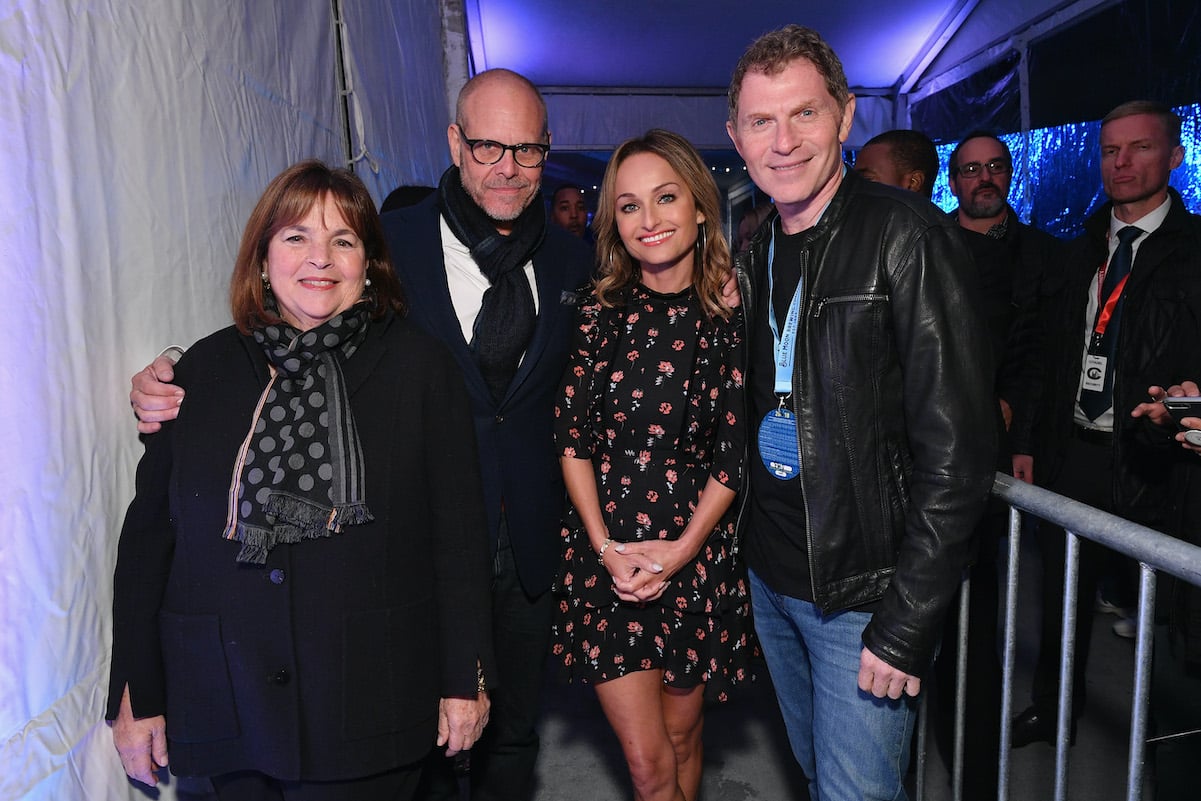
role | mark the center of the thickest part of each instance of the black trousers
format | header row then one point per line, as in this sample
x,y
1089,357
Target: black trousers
x,y
502,762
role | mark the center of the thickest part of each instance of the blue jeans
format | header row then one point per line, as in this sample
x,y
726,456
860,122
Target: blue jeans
x,y
851,745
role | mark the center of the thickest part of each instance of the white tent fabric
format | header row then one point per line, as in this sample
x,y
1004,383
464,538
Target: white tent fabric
x,y
134,139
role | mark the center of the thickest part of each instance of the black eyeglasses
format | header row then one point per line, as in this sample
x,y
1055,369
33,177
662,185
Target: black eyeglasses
x,y
994,167
486,151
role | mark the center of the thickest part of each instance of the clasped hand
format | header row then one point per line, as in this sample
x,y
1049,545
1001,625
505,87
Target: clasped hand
x,y
641,570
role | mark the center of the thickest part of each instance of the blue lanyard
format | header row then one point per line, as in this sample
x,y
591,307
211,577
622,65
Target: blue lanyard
x,y
784,347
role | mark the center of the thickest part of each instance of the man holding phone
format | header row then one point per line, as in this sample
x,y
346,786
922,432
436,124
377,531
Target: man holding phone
x,y
1176,666
1128,315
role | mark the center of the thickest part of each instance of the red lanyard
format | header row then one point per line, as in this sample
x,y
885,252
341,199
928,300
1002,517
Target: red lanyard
x,y
1106,310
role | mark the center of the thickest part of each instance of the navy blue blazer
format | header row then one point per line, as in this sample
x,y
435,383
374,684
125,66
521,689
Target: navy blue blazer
x,y
518,464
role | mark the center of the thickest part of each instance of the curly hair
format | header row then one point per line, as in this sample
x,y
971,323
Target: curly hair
x,y
617,270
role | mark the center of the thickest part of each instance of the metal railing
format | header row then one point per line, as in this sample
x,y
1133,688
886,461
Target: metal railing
x,y
1153,550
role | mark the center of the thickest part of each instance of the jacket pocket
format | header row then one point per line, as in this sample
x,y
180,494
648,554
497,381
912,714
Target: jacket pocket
x,y
390,669
851,336
200,699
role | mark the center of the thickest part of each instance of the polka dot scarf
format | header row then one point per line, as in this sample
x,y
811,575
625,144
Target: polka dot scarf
x,y
299,473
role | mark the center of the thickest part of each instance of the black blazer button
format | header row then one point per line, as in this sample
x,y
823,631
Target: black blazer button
x,y
277,576
280,677
500,418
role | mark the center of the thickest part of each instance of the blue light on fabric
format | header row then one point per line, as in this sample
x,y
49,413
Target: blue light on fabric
x,y
1057,173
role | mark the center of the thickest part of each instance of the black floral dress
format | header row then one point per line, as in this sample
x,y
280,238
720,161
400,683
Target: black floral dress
x,y
653,396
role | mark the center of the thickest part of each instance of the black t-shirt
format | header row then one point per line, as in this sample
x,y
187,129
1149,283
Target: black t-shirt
x,y
775,546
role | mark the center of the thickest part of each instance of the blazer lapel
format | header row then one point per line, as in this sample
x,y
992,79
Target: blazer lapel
x,y
422,274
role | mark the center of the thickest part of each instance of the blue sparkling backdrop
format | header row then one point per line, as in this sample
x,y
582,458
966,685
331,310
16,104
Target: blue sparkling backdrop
x,y
1057,173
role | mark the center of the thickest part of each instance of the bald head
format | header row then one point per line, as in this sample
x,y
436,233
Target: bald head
x,y
499,86
505,108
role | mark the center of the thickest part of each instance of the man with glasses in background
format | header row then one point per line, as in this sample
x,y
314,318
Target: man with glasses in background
x,y
1012,259
1014,263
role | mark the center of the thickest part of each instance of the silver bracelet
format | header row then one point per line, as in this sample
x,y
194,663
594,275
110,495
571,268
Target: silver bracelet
x,y
600,555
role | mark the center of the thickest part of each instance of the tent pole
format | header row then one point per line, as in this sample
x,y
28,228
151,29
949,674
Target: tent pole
x,y
343,86
455,53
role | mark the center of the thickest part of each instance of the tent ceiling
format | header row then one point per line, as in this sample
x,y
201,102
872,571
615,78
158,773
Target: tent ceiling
x,y
690,47
694,44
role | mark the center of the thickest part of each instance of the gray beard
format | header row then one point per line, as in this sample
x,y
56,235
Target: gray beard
x,y
984,209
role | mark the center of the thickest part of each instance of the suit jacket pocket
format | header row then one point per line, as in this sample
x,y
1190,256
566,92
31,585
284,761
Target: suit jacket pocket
x,y
200,700
390,665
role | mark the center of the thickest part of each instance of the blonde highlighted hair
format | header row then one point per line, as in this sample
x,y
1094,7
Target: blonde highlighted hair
x,y
617,270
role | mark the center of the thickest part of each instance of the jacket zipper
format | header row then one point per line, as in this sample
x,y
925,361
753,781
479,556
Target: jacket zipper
x,y
871,296
796,411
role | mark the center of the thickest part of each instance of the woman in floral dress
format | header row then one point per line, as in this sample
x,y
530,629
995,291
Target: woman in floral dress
x,y
652,604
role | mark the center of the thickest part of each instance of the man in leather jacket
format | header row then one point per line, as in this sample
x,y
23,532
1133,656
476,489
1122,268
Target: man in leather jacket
x,y
870,380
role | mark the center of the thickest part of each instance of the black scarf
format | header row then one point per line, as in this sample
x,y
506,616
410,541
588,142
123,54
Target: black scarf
x,y
506,320
299,472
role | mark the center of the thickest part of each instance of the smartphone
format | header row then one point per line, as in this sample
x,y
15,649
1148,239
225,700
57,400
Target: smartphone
x,y
1181,408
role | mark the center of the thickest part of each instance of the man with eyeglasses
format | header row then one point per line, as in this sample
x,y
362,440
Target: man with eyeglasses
x,y
485,273
1014,263
1013,260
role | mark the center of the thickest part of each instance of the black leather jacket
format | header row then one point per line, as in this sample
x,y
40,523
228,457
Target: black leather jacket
x,y
893,394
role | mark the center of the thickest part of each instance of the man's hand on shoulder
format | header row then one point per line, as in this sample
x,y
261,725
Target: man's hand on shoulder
x,y
154,399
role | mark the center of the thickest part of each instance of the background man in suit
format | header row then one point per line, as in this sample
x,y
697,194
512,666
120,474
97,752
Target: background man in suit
x,y
1128,318
483,272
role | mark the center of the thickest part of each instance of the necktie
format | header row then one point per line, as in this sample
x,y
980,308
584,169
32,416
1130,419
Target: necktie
x,y
1094,403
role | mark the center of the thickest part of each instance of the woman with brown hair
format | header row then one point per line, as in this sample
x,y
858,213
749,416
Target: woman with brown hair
x,y
653,606
301,593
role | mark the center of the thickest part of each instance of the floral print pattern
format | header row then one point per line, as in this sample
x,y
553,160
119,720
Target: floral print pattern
x,y
653,396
